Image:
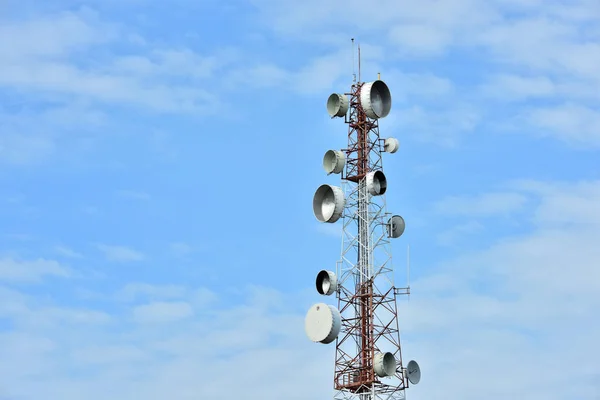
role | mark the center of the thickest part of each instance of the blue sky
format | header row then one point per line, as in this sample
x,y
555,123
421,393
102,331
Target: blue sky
x,y
157,168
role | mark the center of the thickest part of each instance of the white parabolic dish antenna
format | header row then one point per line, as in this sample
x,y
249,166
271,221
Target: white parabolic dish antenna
x,y
384,364
396,226
328,203
391,145
334,161
337,105
376,99
376,183
414,372
326,282
322,323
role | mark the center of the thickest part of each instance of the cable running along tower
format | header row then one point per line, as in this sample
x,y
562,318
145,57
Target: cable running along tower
x,y
364,325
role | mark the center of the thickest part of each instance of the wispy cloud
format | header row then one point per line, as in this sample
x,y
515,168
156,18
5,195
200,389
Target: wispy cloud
x,y
67,252
30,271
456,233
181,249
39,60
134,291
575,124
482,205
563,203
162,312
23,149
120,253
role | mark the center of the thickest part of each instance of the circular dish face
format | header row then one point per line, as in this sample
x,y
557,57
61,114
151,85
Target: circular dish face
x,y
414,372
376,183
337,105
334,161
322,323
326,282
328,203
396,226
376,99
384,364
391,145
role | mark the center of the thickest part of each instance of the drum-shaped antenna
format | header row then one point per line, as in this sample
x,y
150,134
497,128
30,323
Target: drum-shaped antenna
x,y
384,364
391,145
334,161
414,372
328,203
376,183
376,99
396,226
326,282
322,323
337,105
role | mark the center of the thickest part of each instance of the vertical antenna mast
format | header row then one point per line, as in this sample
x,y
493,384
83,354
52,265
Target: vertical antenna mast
x,y
368,360
353,65
408,271
408,265
359,63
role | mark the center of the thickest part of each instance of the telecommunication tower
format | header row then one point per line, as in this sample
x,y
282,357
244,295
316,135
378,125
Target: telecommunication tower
x,y
368,360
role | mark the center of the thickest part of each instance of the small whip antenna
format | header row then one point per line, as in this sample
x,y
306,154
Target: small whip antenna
x,y
353,64
359,63
408,270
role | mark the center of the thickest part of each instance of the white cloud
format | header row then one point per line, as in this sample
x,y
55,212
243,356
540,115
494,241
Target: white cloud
x,y
407,87
37,315
108,355
456,233
420,39
313,76
12,303
441,126
573,123
22,149
162,312
34,132
133,291
54,36
481,205
168,63
120,253
260,76
181,249
314,21
62,78
262,337
322,72
201,298
50,315
516,87
512,87
503,303
565,203
39,61
30,271
67,252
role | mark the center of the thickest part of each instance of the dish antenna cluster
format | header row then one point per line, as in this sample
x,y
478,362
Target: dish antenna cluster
x,y
364,325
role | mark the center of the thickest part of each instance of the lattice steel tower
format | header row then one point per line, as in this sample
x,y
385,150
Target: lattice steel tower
x,y
368,361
